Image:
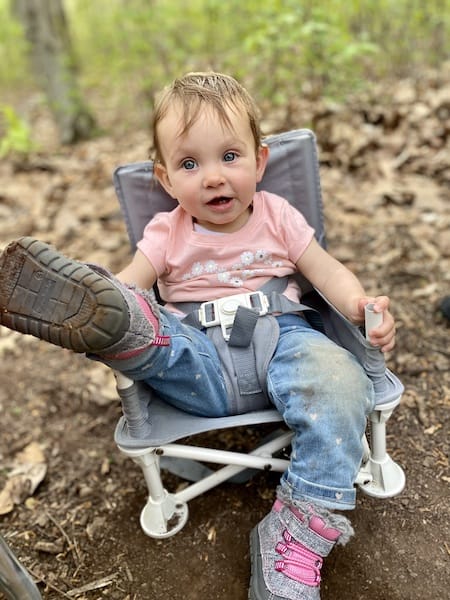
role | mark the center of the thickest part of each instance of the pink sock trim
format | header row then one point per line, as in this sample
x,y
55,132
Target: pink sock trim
x,y
316,523
159,340
148,312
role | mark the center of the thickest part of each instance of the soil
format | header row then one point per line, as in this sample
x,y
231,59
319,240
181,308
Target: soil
x,y
71,511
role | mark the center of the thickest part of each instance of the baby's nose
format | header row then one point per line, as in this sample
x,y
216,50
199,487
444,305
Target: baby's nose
x,y
213,178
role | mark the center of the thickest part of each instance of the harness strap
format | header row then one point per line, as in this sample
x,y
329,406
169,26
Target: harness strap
x,y
250,347
246,319
243,327
275,284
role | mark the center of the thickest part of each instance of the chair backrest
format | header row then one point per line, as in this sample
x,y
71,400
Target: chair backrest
x,y
292,172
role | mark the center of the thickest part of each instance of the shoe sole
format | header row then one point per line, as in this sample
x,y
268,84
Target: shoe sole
x,y
254,554
256,566
257,589
53,298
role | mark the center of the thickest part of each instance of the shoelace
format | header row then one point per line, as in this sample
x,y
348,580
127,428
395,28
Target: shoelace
x,y
298,562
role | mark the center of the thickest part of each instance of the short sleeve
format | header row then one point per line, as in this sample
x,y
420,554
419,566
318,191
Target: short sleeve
x,y
155,241
296,231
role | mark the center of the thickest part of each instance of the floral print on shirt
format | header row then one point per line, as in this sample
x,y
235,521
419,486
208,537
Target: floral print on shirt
x,y
250,264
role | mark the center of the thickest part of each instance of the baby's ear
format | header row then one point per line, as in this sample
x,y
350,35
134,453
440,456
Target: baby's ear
x,y
162,176
262,157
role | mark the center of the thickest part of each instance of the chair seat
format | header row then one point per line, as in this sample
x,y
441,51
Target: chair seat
x,y
170,424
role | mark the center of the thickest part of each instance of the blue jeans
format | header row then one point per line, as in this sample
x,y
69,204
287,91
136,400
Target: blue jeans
x,y
319,388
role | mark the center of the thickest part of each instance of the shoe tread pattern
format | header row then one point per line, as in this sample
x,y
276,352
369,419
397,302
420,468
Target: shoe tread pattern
x,y
59,300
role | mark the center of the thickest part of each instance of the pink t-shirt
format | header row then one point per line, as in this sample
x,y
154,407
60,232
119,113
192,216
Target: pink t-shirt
x,y
196,266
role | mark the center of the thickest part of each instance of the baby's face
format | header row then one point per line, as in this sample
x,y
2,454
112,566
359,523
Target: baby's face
x,y
212,169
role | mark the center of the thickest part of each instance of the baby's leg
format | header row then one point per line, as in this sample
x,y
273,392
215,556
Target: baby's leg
x,y
186,373
324,397
85,309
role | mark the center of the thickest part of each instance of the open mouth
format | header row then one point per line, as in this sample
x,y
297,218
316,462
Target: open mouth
x,y
219,200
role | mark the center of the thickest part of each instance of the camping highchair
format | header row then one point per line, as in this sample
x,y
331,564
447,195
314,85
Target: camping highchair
x,y
150,429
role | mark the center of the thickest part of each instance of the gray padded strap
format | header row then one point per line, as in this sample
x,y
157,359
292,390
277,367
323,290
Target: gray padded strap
x,y
192,318
246,369
276,284
282,305
243,327
246,318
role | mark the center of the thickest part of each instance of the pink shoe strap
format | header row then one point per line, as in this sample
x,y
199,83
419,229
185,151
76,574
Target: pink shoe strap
x,y
316,523
298,562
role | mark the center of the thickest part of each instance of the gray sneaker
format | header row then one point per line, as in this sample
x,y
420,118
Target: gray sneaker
x,y
67,303
287,549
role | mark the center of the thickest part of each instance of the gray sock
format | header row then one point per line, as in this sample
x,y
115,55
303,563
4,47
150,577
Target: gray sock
x,y
143,314
310,509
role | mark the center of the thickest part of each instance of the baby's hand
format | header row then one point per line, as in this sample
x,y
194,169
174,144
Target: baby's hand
x,y
382,336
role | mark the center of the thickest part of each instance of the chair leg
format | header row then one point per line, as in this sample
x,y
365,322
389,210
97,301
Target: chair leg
x,y
380,476
15,581
164,514
135,413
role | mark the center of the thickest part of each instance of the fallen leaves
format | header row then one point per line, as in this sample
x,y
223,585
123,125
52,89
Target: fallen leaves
x,y
403,130
28,470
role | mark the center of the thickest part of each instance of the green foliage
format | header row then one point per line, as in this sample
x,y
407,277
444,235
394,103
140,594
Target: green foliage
x,y
304,52
16,140
13,64
281,49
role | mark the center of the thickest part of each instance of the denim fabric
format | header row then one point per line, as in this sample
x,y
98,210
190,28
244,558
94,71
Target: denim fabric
x,y
187,373
318,387
324,396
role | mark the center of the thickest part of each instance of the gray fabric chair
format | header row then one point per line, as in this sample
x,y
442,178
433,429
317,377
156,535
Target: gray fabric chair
x,y
155,440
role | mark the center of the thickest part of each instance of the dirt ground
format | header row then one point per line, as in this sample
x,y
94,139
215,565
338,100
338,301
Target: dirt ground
x,y
385,165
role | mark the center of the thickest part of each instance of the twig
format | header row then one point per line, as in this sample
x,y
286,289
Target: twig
x,y
421,410
72,545
94,585
41,579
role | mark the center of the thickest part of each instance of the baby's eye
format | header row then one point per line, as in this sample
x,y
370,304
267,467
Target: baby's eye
x,y
229,156
189,164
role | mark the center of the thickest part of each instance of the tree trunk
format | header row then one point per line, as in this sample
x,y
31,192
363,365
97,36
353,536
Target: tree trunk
x,y
54,66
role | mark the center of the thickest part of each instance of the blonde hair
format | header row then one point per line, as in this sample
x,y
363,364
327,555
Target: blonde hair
x,y
193,91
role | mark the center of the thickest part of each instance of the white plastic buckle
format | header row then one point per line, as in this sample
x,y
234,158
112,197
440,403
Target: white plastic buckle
x,y
223,311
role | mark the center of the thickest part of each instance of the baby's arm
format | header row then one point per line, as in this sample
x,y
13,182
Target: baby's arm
x,y
139,272
343,289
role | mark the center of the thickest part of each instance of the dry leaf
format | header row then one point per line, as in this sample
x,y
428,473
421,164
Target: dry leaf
x,y
28,471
